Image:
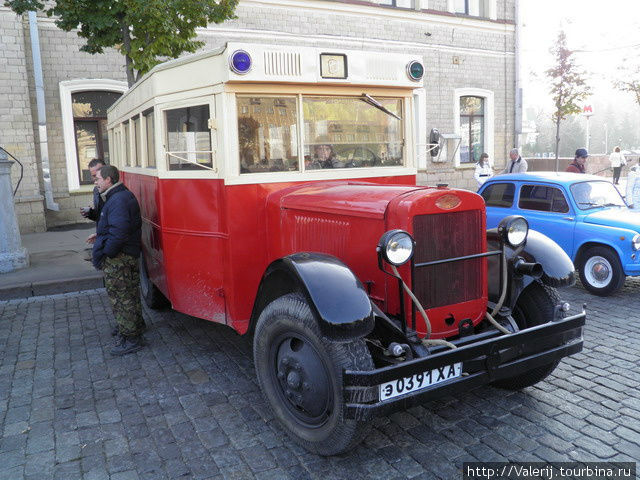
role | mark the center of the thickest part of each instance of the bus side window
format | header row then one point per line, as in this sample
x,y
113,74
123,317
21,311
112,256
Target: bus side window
x,y
150,138
267,134
126,160
188,138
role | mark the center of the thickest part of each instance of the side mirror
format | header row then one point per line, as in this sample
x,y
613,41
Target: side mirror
x,y
434,142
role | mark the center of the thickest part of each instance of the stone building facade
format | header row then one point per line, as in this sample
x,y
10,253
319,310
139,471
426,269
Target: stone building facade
x,y
468,47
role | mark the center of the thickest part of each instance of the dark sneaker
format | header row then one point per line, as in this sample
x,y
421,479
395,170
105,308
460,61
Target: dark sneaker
x,y
115,332
127,345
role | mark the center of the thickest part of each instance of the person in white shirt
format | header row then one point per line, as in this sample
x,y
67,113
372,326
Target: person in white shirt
x,y
617,162
633,187
483,169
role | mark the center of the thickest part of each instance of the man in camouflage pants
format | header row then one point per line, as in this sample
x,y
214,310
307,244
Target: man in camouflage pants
x,y
116,251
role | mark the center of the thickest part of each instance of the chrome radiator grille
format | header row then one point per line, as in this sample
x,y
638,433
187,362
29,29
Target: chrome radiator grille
x,y
442,236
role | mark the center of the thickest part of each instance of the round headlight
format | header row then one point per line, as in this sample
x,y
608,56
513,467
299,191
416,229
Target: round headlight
x,y
240,62
396,247
514,230
635,242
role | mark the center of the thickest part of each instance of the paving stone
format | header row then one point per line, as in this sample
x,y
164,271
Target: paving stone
x,y
189,406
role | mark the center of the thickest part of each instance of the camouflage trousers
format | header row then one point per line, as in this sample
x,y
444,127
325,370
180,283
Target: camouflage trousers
x,y
122,281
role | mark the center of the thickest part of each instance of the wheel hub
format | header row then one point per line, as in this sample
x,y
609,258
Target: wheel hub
x,y
304,380
600,271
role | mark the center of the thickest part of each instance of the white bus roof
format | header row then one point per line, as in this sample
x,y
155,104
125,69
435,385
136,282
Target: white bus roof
x,y
271,64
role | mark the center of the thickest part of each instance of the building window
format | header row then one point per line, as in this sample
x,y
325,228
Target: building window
x,y
473,119
397,3
474,8
83,105
471,129
89,111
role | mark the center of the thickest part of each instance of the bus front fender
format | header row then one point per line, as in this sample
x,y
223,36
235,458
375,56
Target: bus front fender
x,y
336,297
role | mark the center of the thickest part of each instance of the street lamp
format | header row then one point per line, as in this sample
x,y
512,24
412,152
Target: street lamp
x,y
587,111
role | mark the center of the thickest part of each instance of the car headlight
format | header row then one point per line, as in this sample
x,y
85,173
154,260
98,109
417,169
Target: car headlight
x,y
513,230
635,241
396,247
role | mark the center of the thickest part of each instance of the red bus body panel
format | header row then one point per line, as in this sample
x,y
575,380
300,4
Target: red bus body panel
x,y
207,244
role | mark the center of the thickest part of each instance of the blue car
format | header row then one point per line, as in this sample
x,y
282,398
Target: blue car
x,y
584,214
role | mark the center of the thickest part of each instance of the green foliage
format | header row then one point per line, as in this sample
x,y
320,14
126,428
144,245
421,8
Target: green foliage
x,y
145,31
568,85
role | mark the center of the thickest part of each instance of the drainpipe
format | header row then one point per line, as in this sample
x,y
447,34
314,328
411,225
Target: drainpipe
x,y
42,116
518,89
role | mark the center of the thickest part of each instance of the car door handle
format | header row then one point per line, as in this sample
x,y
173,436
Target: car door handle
x,y
568,218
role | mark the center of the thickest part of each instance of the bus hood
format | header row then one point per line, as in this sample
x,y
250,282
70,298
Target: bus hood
x,y
350,199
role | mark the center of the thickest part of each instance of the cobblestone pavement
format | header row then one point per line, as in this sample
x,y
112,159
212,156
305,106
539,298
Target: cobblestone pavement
x,y
189,406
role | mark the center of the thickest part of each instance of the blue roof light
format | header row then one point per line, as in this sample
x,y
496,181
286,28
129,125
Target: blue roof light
x,y
240,62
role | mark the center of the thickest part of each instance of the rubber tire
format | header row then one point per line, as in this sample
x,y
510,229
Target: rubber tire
x,y
618,277
290,314
535,306
151,295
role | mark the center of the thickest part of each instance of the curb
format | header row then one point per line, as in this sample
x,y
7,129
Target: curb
x,y
52,287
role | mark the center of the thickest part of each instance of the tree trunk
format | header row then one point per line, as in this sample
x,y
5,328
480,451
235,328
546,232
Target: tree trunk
x,y
126,49
557,142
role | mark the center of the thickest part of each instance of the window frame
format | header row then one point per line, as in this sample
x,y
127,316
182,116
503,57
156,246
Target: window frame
x,y
66,89
489,121
149,138
470,119
494,184
394,4
231,163
206,101
555,188
490,8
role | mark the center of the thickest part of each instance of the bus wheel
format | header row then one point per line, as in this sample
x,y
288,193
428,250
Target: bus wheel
x,y
152,296
300,374
535,306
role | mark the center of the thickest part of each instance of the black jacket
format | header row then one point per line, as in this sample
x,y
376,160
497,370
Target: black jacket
x,y
119,226
94,213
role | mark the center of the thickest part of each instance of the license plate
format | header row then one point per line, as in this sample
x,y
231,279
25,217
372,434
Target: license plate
x,y
419,381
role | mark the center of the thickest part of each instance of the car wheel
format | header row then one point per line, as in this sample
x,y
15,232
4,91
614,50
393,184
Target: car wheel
x,y
300,374
151,295
535,306
600,271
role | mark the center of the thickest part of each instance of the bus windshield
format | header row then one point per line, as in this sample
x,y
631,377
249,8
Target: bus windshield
x,y
338,132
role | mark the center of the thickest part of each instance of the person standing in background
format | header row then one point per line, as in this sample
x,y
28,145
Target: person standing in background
x,y
617,162
517,163
483,169
93,213
577,166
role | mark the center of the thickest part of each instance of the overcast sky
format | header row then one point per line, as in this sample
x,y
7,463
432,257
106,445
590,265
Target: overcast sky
x,y
604,33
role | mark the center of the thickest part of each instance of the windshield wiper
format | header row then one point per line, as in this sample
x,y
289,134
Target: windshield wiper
x,y
590,204
374,103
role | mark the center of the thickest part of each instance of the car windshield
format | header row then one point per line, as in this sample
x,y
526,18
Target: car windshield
x,y
596,194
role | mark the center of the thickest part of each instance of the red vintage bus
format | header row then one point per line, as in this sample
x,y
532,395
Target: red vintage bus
x,y
278,191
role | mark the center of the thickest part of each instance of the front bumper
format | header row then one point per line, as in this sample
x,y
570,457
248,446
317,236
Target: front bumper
x,y
483,362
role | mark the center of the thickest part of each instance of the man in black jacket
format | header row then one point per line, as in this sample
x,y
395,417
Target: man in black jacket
x,y
116,251
93,213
